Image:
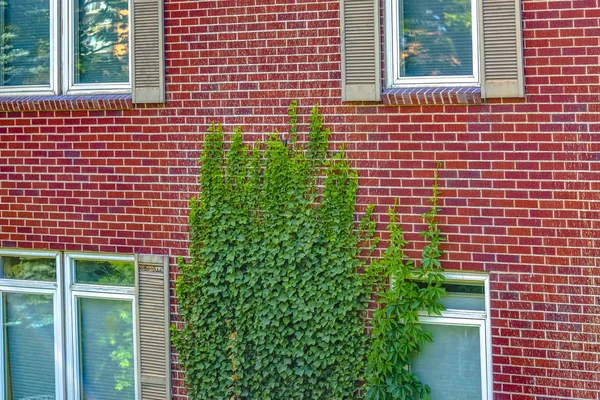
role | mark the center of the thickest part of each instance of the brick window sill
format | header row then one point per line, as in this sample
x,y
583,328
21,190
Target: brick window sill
x,y
432,96
66,103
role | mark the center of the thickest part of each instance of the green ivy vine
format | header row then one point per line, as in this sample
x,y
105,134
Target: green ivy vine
x,y
272,303
396,335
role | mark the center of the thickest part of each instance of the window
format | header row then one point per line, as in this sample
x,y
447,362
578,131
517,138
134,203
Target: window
x,y
432,43
95,50
79,47
72,325
457,364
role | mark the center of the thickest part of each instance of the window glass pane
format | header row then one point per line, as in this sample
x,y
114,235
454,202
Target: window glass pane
x,y
28,268
29,329
464,297
451,365
456,301
465,288
113,273
106,346
460,296
25,42
435,38
101,41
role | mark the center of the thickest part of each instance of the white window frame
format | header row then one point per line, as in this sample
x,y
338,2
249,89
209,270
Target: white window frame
x,y
481,319
393,36
79,290
36,287
62,62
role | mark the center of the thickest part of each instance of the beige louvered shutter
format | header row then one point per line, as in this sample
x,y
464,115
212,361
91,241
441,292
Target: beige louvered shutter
x,y
154,362
148,52
501,49
361,65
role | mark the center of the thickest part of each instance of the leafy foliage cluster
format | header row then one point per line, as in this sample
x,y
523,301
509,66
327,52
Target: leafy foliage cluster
x,y
115,337
272,301
397,335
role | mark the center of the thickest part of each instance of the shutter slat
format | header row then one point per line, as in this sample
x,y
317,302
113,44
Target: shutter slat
x,y
148,52
153,392
361,66
153,327
502,55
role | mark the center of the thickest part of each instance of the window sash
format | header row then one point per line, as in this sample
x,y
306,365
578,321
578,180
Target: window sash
x,y
43,288
52,88
393,36
68,59
484,351
74,377
70,259
78,290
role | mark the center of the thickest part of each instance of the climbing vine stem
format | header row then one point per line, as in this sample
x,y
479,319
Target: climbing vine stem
x,y
404,288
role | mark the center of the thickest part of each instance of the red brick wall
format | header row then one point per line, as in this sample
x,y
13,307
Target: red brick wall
x,y
520,182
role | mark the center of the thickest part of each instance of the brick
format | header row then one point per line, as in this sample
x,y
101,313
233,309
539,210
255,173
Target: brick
x,y
519,183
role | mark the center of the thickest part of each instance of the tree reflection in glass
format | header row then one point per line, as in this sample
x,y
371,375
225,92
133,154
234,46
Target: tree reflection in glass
x,y
28,268
436,38
106,345
102,49
112,273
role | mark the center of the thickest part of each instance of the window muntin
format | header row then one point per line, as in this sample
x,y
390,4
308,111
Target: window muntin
x,y
460,332
432,43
